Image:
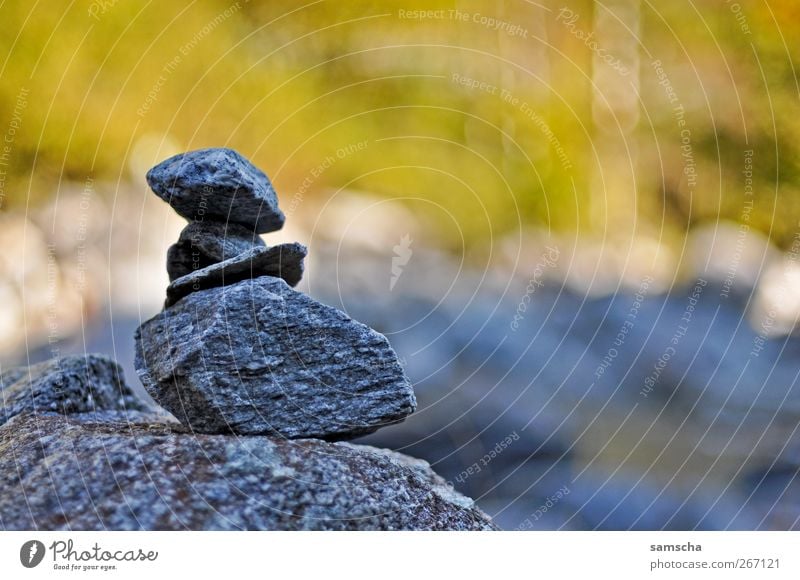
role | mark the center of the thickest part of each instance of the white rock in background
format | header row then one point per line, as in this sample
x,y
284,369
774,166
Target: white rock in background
x,y
725,252
776,308
362,220
11,323
142,230
46,306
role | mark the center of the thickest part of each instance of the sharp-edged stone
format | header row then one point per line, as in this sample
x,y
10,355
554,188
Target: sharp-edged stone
x,y
205,243
68,385
218,184
282,261
258,357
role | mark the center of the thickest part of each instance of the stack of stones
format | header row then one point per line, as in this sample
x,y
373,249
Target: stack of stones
x,y
228,202
236,349
261,378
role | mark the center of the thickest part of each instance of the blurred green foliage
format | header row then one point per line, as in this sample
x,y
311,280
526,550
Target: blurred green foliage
x,y
290,84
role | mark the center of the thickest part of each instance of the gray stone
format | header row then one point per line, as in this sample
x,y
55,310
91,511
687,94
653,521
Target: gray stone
x,y
73,384
257,357
205,243
217,184
282,261
75,473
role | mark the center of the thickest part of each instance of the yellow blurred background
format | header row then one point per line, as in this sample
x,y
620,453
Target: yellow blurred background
x,y
506,114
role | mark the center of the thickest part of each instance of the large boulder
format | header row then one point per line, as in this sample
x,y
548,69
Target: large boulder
x,y
259,358
81,473
218,184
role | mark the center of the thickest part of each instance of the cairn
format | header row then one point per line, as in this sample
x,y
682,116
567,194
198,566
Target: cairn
x,y
236,349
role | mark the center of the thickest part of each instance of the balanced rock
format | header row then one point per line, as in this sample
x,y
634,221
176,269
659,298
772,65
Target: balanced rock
x,y
207,242
282,261
217,184
257,357
80,473
69,385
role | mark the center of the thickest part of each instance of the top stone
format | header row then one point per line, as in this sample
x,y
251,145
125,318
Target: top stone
x,y
217,184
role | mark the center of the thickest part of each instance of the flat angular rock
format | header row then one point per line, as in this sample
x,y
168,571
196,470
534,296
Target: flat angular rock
x,y
217,184
74,473
205,243
257,357
68,385
282,261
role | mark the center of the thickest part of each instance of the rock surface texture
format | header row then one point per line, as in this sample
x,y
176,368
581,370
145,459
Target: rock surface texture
x,y
257,357
76,473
